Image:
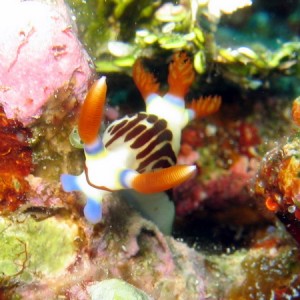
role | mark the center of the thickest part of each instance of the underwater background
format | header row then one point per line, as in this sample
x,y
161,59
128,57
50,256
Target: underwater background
x,y
173,176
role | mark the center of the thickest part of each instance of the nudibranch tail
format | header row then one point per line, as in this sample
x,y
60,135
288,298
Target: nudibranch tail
x,y
145,81
205,106
162,180
92,111
181,74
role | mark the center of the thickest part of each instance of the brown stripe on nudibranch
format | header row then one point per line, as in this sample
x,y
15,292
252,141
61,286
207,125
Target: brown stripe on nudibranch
x,y
165,151
165,136
122,130
152,118
161,164
135,132
149,133
113,128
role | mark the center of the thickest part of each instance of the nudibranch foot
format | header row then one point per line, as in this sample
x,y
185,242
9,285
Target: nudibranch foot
x,y
205,106
92,111
93,211
145,81
181,74
69,183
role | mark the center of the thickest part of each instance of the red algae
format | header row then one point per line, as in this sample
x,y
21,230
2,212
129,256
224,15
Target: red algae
x,y
15,163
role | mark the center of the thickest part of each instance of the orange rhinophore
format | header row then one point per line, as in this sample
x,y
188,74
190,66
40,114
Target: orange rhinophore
x,y
145,81
205,106
181,74
91,112
161,180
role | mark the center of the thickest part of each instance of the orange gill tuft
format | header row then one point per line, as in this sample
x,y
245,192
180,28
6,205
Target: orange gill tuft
x,y
145,81
181,74
205,106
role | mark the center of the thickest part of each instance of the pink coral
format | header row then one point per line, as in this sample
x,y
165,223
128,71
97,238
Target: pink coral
x,y
39,53
248,139
227,159
187,155
219,190
191,139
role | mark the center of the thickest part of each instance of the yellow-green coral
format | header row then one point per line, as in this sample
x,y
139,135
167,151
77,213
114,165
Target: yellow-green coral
x,y
32,249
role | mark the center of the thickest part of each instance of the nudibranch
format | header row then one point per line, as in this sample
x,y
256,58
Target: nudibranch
x,y
136,152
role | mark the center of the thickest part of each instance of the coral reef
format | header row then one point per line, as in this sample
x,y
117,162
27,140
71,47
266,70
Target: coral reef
x,y
237,223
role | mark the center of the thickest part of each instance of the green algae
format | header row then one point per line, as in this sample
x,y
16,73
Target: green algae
x,y
155,28
32,249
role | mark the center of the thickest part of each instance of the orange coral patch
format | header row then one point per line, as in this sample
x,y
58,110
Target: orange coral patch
x,y
271,204
15,163
288,180
296,111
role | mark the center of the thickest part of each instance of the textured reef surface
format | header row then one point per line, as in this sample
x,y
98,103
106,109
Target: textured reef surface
x,y
229,230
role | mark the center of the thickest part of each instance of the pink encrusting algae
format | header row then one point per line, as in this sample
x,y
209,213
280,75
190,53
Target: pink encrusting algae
x,y
39,53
